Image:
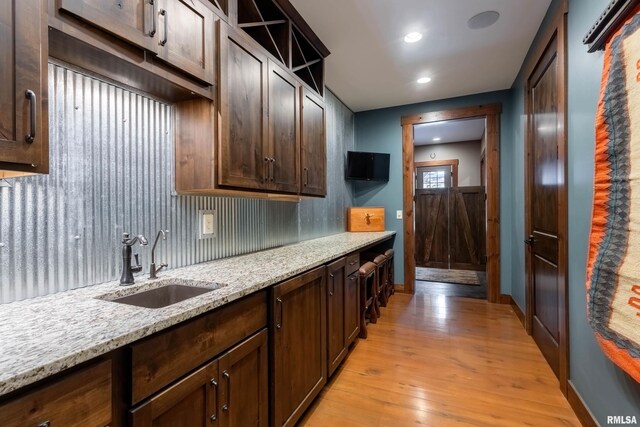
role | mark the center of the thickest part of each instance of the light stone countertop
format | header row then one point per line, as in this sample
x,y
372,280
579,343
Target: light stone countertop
x,y
42,336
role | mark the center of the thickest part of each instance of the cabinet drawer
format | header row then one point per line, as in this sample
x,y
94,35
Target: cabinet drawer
x,y
353,264
163,358
81,399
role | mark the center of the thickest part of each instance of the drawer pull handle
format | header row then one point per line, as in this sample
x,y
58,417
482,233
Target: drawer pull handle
x,y
31,136
353,262
45,424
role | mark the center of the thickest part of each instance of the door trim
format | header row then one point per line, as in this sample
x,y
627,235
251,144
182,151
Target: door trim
x,y
454,168
557,29
492,114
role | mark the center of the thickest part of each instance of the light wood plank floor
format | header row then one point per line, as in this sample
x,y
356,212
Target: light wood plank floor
x,y
438,361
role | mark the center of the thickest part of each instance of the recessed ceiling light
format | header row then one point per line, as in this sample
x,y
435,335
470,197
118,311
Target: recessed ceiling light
x,y
413,37
483,20
423,80
436,139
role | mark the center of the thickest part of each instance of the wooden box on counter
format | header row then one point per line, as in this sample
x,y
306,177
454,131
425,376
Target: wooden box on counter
x,y
365,219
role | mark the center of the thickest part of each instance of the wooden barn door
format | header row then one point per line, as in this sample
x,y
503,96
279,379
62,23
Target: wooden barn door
x,y
450,228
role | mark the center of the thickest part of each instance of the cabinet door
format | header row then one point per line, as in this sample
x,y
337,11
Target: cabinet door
x,y
187,37
351,309
244,384
81,399
131,20
243,105
284,132
192,401
336,348
23,85
299,342
313,159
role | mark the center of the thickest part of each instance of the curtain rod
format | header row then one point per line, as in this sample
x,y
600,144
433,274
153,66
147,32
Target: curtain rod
x,y
608,22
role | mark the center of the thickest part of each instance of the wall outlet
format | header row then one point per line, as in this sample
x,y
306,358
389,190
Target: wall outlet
x,y
398,214
207,224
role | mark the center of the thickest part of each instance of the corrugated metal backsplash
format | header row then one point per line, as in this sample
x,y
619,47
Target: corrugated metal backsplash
x,y
112,172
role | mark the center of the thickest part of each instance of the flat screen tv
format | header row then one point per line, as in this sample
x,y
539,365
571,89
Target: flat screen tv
x,y
363,166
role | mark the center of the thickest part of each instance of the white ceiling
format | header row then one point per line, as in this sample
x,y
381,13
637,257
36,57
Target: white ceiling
x,y
448,132
371,67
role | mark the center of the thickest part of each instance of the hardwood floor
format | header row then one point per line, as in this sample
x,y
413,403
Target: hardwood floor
x,y
452,289
433,360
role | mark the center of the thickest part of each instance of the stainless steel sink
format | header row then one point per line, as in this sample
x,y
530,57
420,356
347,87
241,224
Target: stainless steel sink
x,y
169,292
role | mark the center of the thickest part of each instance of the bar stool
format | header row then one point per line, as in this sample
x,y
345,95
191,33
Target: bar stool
x,y
367,273
391,289
381,262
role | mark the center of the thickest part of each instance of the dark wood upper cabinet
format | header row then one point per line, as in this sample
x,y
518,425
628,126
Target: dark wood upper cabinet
x,y
313,147
23,86
132,20
243,92
284,131
244,383
336,348
187,37
299,352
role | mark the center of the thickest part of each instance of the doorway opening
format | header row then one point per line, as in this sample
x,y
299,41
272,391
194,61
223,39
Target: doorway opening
x,y
457,232
450,224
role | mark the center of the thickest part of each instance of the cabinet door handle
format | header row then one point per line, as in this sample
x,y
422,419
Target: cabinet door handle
x,y
265,174
154,17
272,163
306,177
31,136
166,19
279,304
214,416
333,284
227,377
45,424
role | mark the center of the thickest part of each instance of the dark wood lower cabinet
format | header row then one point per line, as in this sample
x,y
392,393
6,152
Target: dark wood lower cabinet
x,y
299,345
336,349
229,391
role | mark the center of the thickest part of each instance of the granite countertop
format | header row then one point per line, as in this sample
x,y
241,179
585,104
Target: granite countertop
x,y
46,335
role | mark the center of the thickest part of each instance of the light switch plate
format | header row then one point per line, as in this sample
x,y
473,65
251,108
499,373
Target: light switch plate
x,y
398,214
207,220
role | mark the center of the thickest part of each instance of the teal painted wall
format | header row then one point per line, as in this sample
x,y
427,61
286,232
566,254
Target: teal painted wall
x,y
381,131
606,389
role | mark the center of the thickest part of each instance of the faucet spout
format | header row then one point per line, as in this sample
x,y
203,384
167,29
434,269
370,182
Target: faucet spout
x,y
153,271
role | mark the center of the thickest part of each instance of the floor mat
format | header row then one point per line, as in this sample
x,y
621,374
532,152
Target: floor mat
x,y
463,277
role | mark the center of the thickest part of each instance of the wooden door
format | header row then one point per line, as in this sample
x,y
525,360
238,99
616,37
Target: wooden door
x,y
432,228
243,94
284,133
299,345
467,231
23,86
244,384
351,308
187,37
545,177
313,146
132,20
192,401
336,339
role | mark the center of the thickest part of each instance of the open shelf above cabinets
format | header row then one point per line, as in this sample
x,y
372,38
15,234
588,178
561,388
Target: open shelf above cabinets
x,y
275,26
306,62
221,5
267,25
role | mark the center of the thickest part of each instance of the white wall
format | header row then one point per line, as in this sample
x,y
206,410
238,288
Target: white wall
x,y
467,152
